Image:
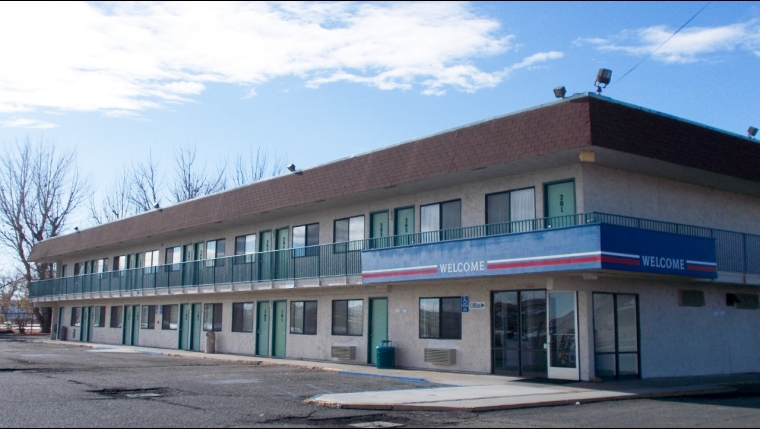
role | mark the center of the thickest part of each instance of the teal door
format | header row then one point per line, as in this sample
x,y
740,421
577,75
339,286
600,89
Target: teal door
x,y
184,327
559,204
135,325
60,321
262,328
195,343
279,328
282,256
126,331
378,326
266,256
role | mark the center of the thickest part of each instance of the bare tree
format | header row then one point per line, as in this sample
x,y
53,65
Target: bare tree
x,y
255,168
193,181
116,203
39,190
145,183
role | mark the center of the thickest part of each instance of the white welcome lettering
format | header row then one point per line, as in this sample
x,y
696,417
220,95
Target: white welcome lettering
x,y
462,267
661,262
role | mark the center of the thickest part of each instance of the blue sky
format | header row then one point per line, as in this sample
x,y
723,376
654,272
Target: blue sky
x,y
314,82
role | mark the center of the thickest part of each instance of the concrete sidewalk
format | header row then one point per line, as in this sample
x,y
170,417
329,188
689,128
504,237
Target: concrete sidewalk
x,y
464,392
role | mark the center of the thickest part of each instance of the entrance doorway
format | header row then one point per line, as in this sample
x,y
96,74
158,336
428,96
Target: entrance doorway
x,y
563,328
279,328
262,328
378,326
190,327
85,333
616,335
519,326
131,325
60,321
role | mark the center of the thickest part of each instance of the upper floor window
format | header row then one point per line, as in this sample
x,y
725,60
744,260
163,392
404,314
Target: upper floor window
x,y
120,263
214,252
305,236
350,229
102,266
173,258
245,247
517,207
150,260
441,216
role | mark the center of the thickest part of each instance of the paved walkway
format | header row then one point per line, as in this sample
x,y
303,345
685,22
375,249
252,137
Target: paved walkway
x,y
465,392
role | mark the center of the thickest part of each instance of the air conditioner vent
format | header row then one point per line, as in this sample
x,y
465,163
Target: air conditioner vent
x,y
343,352
441,356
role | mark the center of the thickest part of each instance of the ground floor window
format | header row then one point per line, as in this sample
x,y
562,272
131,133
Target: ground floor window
x,y
99,317
169,317
519,333
242,317
616,335
76,316
212,317
348,317
441,318
148,317
117,316
303,317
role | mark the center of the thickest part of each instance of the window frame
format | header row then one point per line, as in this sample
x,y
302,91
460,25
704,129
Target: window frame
x,y
240,307
351,244
216,261
167,322
75,322
305,327
441,314
348,325
99,321
216,313
307,248
119,314
246,256
150,323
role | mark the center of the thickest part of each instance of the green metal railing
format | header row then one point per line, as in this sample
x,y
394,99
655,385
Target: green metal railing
x,y
736,252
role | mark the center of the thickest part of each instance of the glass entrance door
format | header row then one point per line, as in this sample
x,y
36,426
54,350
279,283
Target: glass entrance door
x,y
519,333
563,344
616,335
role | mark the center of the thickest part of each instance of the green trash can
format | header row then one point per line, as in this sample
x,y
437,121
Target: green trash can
x,y
386,355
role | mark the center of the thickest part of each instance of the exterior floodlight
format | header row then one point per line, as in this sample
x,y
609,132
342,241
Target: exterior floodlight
x,y
560,92
156,206
752,132
76,228
602,79
292,168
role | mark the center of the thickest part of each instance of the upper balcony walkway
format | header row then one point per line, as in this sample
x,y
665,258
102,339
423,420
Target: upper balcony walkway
x,y
738,260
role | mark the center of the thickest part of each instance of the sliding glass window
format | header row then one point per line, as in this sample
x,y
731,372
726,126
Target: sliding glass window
x,y
305,236
441,217
245,248
215,253
511,211
349,230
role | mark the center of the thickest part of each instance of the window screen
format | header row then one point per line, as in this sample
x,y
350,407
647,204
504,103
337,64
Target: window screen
x,y
169,317
303,317
212,317
242,317
117,316
348,317
441,318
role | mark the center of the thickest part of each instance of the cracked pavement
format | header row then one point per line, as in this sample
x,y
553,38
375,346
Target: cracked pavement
x,y
47,385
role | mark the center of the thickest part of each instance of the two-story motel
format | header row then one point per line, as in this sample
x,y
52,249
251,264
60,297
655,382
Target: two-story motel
x,y
583,238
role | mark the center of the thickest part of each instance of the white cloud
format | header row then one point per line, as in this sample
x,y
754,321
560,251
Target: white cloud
x,y
127,57
690,45
27,123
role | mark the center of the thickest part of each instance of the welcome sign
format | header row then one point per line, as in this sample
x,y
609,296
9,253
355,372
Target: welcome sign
x,y
585,247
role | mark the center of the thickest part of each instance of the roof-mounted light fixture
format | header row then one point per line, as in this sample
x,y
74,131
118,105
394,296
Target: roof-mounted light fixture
x,y
752,132
603,78
76,228
560,92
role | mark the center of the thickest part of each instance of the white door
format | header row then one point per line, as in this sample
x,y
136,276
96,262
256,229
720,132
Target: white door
x,y
563,336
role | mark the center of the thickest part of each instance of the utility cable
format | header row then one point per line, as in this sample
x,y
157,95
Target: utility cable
x,y
663,43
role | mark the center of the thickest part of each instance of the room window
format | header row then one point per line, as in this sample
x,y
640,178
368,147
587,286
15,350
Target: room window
x,y
517,207
63,270
117,316
441,318
245,248
150,260
102,266
303,317
691,298
305,236
215,253
743,301
212,317
76,316
169,317
348,317
120,264
349,230
440,216
99,316
148,317
78,269
173,258
242,317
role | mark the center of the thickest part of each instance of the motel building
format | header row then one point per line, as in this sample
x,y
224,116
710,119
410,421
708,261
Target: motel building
x,y
579,239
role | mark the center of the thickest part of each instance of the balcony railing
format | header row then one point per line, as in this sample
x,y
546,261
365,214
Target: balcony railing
x,y
736,252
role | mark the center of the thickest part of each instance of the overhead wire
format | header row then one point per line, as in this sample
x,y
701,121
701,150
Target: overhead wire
x,y
662,44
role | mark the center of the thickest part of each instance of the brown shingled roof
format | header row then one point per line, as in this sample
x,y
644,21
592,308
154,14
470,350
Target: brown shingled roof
x,y
568,124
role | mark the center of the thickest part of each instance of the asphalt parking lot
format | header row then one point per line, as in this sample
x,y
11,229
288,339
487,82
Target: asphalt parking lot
x,y
47,385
